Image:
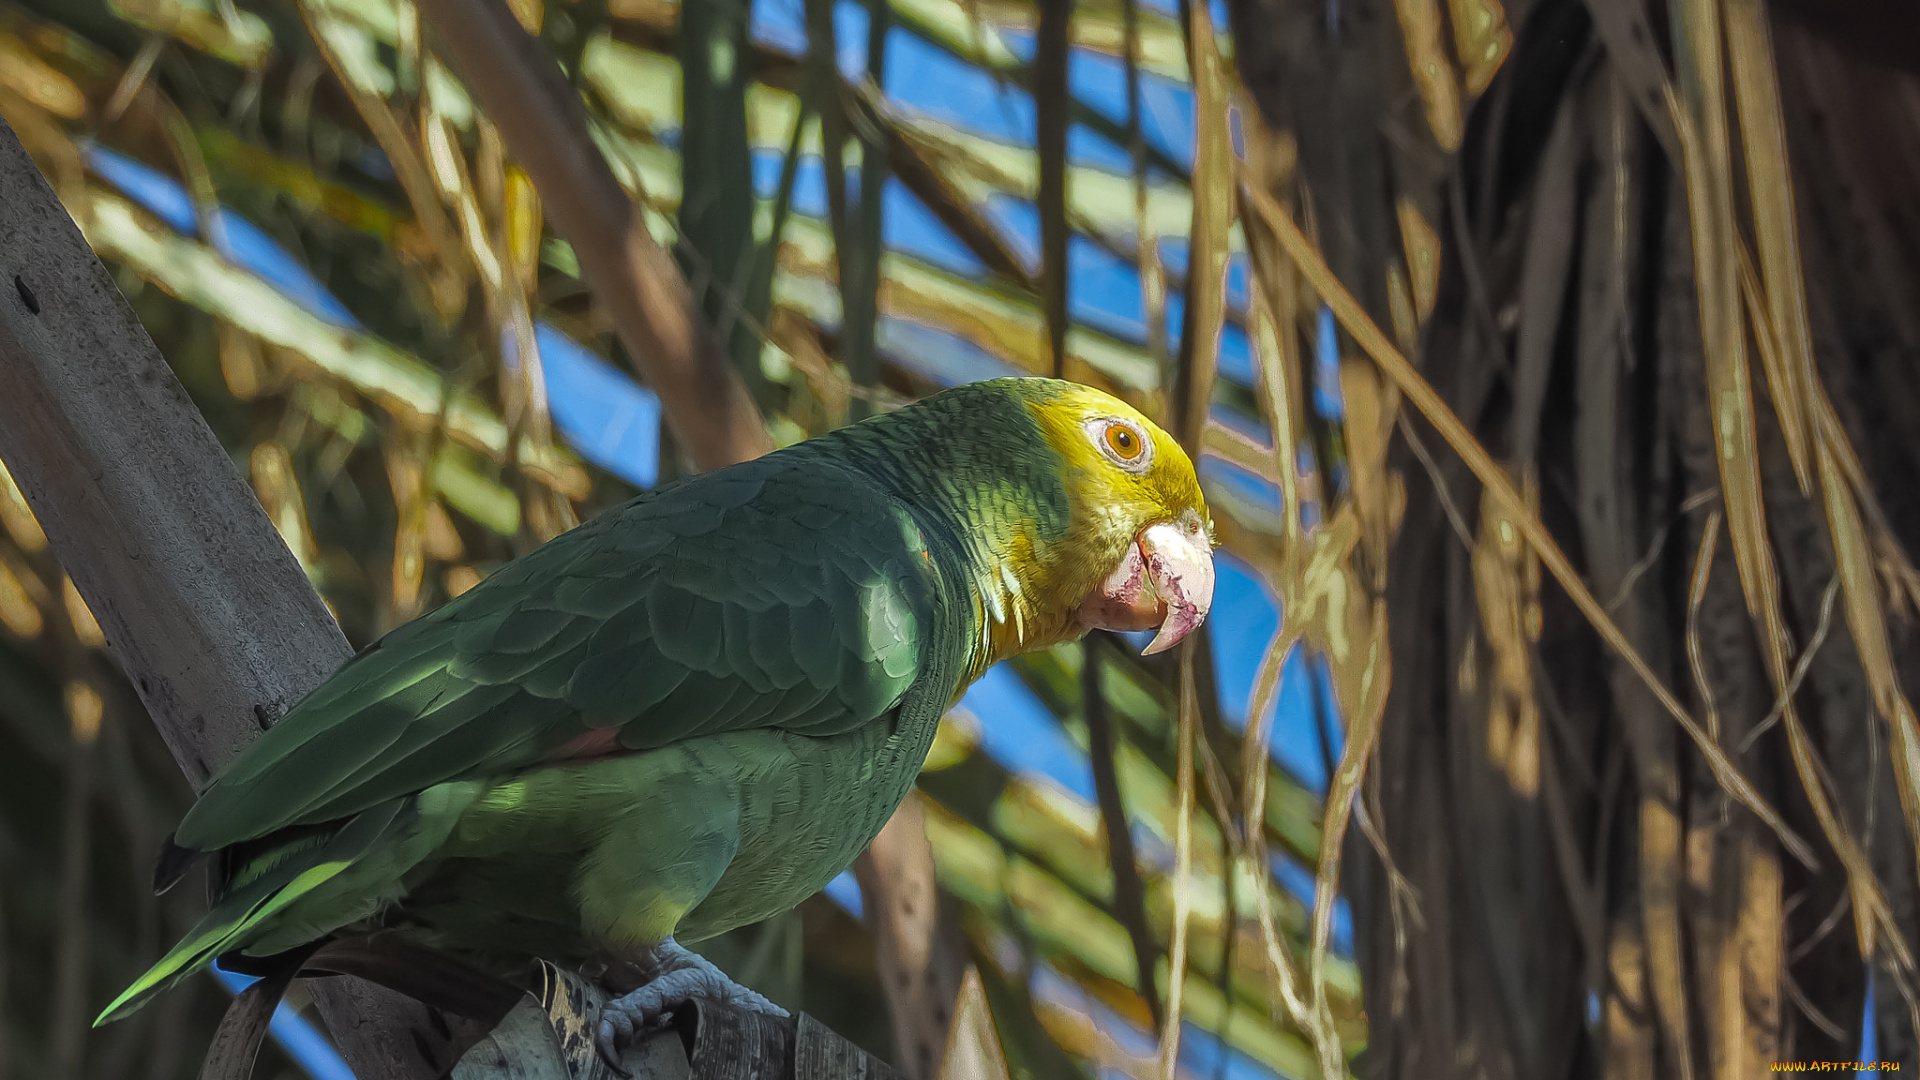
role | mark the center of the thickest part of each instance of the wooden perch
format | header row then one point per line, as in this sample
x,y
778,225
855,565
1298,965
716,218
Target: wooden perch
x,y
552,1029
206,610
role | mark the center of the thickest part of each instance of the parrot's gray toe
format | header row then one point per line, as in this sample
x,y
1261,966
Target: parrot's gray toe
x,y
684,977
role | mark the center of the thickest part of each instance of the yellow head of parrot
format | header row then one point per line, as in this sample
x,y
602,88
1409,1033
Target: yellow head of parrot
x,y
1139,554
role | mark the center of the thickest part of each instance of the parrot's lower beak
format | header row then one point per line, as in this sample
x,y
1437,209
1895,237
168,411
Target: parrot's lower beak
x,y
1165,581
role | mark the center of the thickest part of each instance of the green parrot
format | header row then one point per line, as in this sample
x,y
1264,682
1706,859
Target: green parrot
x,y
693,711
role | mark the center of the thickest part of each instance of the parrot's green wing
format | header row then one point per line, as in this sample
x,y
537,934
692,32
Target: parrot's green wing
x,y
787,593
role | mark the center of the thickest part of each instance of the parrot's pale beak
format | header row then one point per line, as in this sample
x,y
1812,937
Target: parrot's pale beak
x,y
1165,581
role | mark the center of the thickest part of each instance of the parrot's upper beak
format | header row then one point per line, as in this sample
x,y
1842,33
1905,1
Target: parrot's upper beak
x,y
1165,581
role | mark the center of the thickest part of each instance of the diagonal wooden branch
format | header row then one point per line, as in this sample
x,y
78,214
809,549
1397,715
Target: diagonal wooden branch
x,y
205,608
526,95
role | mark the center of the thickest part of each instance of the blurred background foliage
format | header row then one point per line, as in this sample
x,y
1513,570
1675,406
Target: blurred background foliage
x,y
1370,258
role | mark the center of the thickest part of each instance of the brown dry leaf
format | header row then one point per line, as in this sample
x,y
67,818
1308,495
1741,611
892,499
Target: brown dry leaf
x,y
523,225
1781,328
1091,1040
529,13
445,262
1752,960
1253,781
1629,1035
1789,402
1232,445
405,473
1660,862
1354,319
1270,153
239,37
442,540
1329,605
241,364
279,494
303,344
1283,561
1770,191
85,710
1853,562
827,382
973,1046
651,12
1273,308
1898,576
1696,598
46,138
37,82
1481,39
1699,115
19,611
1421,246
18,517
1369,674
1406,325
1325,604
1213,165
86,628
500,224
1433,75
1506,581
460,579
1281,396
1370,408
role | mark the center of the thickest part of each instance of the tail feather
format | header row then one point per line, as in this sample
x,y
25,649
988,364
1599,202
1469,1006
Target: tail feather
x,y
244,913
172,865
224,928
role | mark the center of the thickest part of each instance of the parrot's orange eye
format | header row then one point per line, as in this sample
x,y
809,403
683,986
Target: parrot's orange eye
x,y
1123,444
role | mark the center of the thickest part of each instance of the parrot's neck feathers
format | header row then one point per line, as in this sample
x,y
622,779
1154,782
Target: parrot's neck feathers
x,y
1004,600
996,505
1010,617
1014,602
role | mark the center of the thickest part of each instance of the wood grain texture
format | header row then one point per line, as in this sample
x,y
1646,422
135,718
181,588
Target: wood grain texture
x,y
207,611
819,1054
204,607
236,1043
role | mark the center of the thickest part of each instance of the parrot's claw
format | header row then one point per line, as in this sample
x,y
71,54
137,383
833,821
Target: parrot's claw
x,y
680,977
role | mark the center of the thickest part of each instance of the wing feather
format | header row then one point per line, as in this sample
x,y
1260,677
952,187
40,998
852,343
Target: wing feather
x,y
789,593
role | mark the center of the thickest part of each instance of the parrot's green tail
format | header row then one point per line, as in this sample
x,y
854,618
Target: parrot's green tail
x,y
262,891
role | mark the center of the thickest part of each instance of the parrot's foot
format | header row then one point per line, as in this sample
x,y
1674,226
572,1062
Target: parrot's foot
x,y
678,977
